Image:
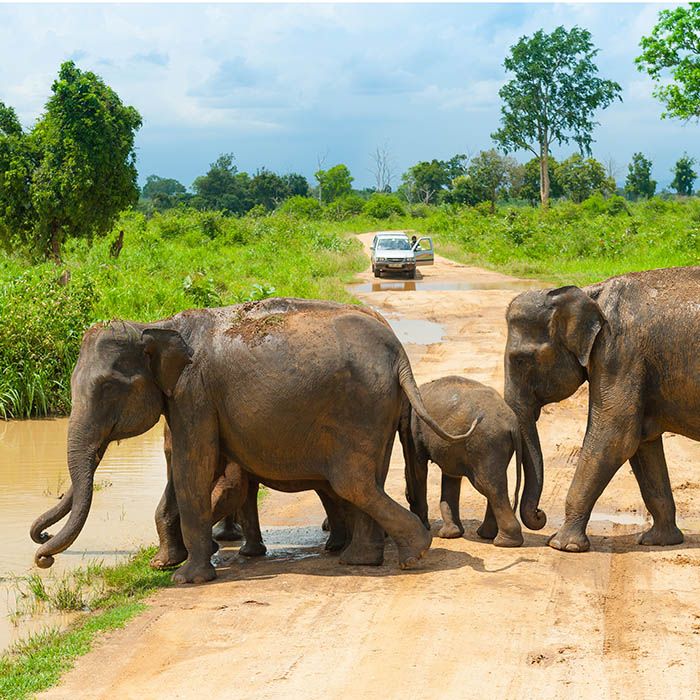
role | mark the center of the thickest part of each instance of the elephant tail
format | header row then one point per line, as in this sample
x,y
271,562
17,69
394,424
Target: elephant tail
x,y
518,445
410,389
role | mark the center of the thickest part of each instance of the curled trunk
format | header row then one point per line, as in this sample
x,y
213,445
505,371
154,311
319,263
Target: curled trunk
x,y
50,517
83,459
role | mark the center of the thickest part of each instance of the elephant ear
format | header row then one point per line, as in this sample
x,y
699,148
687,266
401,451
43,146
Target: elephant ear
x,y
576,320
168,354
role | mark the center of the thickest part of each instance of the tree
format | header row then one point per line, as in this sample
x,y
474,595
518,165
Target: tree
x,y
639,183
529,181
267,188
489,173
382,168
684,176
162,185
425,180
674,46
223,188
297,185
334,182
74,172
552,97
580,178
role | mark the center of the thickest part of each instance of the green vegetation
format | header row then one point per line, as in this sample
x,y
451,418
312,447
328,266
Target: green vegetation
x,y
174,261
73,173
110,597
553,95
674,48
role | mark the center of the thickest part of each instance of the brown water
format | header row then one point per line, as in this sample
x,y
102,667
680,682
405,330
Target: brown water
x,y
33,473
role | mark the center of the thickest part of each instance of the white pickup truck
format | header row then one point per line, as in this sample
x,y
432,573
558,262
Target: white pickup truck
x,y
393,251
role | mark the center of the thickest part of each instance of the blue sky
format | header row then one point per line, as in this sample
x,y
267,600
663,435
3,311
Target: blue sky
x,y
281,86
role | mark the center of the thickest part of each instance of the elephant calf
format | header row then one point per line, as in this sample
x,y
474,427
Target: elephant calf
x,y
456,402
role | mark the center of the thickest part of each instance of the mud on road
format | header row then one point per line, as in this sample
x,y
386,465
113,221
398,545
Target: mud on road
x,y
619,622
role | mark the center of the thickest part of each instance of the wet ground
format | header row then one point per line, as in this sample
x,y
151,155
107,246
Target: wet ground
x,y
473,620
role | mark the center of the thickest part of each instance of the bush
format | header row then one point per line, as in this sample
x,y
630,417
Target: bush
x,y
302,207
41,326
597,204
382,206
344,207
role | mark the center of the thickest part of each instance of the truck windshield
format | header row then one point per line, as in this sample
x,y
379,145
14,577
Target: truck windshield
x,y
393,244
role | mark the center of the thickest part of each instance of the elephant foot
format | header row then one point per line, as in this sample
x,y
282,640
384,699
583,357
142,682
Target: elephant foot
x,y
335,543
410,555
359,555
168,557
487,530
450,531
252,549
505,540
194,573
226,531
570,539
661,536
325,526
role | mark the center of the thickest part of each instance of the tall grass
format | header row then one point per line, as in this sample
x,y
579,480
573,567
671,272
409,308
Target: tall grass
x,y
175,261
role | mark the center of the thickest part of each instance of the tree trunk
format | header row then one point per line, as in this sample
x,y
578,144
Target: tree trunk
x,y
544,175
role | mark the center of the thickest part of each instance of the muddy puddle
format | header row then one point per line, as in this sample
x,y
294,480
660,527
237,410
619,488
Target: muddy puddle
x,y
418,331
429,285
33,474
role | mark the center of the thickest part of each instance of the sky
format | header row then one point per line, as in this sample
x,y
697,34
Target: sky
x,y
287,87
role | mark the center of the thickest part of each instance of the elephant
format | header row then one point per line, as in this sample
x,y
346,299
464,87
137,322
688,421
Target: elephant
x,y
454,402
234,500
634,339
289,389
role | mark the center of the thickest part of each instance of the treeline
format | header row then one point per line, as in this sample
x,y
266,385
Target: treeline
x,y
488,177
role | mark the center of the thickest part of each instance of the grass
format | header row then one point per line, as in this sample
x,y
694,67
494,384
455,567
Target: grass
x,y
111,595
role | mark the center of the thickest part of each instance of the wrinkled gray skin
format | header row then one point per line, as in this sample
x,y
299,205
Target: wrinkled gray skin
x,y
288,389
234,500
455,402
634,338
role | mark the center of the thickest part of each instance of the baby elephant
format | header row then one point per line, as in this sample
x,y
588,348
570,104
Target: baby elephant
x,y
455,402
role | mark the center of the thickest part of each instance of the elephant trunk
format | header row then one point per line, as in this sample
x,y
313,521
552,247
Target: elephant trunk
x,y
527,414
50,517
83,458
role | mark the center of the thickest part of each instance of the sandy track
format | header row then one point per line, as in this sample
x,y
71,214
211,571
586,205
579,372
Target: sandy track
x,y
618,622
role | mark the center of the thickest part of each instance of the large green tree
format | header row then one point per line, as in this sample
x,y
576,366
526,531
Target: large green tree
x,y
580,177
74,171
223,188
156,185
425,180
639,183
673,50
552,97
684,176
334,182
490,175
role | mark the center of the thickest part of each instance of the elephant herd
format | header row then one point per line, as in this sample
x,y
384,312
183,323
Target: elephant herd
x,y
309,395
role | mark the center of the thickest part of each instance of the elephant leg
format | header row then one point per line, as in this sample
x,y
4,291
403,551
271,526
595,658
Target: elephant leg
x,y
602,454
253,545
362,488
449,507
172,550
194,468
338,537
416,471
491,480
651,472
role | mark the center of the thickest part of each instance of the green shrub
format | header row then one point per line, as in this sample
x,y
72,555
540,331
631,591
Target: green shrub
x,y
302,207
344,207
382,206
41,326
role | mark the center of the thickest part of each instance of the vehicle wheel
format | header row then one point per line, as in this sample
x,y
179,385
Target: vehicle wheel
x,y
411,274
377,273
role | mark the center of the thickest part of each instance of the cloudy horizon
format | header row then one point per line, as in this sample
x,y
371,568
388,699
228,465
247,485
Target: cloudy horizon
x,y
288,86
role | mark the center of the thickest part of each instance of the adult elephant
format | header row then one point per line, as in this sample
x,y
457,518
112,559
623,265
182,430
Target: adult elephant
x,y
289,389
634,338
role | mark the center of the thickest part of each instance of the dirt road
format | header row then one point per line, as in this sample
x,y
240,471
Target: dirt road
x,y
473,620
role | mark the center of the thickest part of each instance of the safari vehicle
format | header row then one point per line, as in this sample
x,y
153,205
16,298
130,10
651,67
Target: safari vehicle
x,y
392,251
